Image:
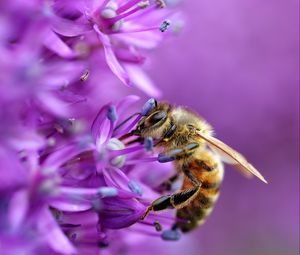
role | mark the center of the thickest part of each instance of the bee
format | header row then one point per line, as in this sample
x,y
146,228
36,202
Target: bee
x,y
182,136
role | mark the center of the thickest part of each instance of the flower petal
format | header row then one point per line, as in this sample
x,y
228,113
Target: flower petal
x,y
13,174
18,208
70,28
125,103
111,59
142,81
98,122
53,234
55,44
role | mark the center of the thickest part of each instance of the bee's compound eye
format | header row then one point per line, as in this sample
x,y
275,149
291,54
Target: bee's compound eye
x,y
158,116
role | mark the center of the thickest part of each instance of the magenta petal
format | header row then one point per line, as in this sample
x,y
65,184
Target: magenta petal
x,y
67,27
111,59
126,103
52,104
13,174
18,208
62,155
142,81
119,178
71,204
119,213
98,122
27,141
53,234
102,127
59,74
55,44
104,133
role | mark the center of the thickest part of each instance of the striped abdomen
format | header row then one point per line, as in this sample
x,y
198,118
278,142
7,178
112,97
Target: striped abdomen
x,y
201,206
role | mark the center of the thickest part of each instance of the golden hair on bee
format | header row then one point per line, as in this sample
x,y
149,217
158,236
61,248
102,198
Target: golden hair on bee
x,y
182,136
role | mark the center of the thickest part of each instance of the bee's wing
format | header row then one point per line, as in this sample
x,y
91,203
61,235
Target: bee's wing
x,y
231,156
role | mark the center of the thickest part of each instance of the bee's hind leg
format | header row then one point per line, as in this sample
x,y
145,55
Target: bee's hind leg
x,y
177,200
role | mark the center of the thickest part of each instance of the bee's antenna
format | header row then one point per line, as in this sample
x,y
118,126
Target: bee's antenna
x,y
126,120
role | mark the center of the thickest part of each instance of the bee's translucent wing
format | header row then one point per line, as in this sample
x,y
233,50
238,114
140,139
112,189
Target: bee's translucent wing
x,y
231,156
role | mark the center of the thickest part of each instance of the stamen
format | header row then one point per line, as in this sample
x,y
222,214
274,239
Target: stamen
x,y
160,3
108,13
108,192
135,187
85,76
127,6
126,150
157,226
170,235
58,128
126,14
104,4
148,144
51,141
112,5
148,106
73,236
145,29
115,144
143,160
112,113
89,192
143,4
164,26
117,26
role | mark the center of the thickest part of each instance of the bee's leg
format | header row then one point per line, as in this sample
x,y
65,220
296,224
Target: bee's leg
x,y
176,200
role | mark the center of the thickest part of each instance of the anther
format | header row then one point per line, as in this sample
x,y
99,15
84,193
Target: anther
x,y
143,4
115,144
117,26
108,192
160,3
164,26
135,187
157,226
85,75
112,113
148,106
108,13
59,128
112,5
170,235
148,144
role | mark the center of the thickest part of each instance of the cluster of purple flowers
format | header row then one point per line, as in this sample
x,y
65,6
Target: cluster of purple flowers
x,y
69,183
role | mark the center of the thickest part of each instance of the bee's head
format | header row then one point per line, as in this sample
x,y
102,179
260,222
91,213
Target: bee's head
x,y
155,117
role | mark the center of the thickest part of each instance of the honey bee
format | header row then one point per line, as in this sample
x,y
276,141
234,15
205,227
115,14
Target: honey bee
x,y
182,136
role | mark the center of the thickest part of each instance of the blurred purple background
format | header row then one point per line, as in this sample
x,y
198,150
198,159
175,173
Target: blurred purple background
x,y
236,63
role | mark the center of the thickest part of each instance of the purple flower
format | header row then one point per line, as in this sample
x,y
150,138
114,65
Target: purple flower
x,y
71,182
122,29
72,198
